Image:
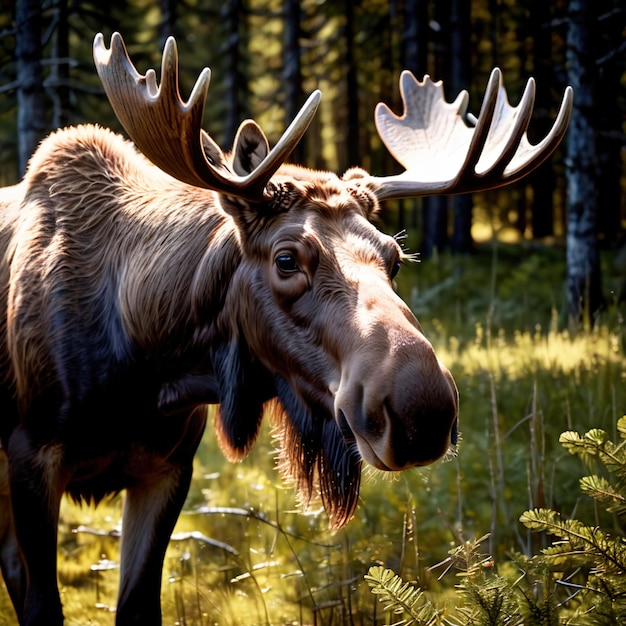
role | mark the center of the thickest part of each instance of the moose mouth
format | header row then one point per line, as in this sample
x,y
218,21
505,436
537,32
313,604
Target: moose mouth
x,y
368,453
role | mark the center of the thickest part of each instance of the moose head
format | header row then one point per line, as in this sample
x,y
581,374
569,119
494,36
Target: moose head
x,y
354,374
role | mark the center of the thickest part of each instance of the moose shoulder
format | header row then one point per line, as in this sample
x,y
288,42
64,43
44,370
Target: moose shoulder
x,y
138,289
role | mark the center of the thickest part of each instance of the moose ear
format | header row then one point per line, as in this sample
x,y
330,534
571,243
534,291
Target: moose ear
x,y
243,386
250,148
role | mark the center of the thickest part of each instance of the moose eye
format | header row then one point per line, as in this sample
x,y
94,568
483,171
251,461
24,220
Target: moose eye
x,y
286,263
395,269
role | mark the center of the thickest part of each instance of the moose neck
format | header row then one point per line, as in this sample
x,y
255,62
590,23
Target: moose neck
x,y
174,292
157,254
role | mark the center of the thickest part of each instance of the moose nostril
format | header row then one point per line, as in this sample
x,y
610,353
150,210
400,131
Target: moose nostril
x,y
454,435
344,427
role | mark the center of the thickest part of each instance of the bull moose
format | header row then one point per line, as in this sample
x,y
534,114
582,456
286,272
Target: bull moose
x,y
136,289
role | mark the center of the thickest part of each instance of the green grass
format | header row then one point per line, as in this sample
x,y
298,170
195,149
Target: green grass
x,y
497,320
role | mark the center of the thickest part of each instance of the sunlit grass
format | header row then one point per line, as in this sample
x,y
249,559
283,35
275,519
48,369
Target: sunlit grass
x,y
497,322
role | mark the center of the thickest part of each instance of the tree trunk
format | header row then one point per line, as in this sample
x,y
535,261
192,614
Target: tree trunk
x,y
610,48
415,37
352,105
435,223
542,179
169,14
293,69
60,69
459,79
436,207
414,57
30,95
232,12
583,258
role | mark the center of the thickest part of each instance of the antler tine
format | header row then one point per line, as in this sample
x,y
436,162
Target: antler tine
x,y
168,130
441,153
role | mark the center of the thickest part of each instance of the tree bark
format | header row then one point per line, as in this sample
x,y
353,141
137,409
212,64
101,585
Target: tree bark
x,y
169,14
353,138
583,257
30,95
235,84
415,37
435,216
60,69
459,79
542,179
293,69
610,47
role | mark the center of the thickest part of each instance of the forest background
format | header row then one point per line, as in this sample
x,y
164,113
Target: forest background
x,y
521,289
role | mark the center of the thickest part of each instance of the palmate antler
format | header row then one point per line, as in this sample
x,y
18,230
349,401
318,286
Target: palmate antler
x,y
169,131
443,153
440,151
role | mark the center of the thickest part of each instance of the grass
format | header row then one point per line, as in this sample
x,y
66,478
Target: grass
x,y
497,321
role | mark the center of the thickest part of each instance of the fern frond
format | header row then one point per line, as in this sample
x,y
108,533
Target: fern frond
x,y
607,553
402,598
601,490
489,602
596,446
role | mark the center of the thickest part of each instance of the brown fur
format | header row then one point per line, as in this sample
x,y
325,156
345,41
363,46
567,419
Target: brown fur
x,y
132,300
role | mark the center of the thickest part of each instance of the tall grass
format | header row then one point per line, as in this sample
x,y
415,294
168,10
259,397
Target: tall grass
x,y
244,554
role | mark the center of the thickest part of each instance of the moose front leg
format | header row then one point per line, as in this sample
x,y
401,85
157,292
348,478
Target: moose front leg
x,y
37,480
10,558
151,508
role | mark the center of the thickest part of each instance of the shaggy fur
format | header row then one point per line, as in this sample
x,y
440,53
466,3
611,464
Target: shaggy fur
x,y
131,300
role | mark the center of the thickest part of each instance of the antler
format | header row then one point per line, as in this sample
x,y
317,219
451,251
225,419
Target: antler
x,y
168,130
442,153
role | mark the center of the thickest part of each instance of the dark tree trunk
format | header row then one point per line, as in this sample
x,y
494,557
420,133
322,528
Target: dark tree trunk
x,y
236,89
414,57
609,116
459,79
415,37
542,179
30,95
60,69
436,207
168,20
352,90
435,223
583,258
293,68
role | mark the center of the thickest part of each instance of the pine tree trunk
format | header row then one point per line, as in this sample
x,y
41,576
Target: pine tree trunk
x,y
542,179
353,138
232,12
583,258
30,96
415,37
293,69
169,15
60,69
459,79
435,216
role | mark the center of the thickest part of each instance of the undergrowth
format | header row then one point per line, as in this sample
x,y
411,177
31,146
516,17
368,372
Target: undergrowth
x,y
579,579
243,553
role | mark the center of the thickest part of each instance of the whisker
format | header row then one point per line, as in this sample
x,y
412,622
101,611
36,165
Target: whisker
x,y
453,450
411,257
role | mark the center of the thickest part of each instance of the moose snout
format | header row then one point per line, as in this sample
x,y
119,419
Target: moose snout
x,y
401,414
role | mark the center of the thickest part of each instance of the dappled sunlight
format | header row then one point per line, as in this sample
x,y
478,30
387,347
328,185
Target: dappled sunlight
x,y
526,353
245,552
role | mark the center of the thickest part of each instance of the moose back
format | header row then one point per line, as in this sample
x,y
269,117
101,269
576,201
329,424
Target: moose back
x,y
141,281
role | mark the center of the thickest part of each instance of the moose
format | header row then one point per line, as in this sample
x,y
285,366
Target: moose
x,y
142,281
